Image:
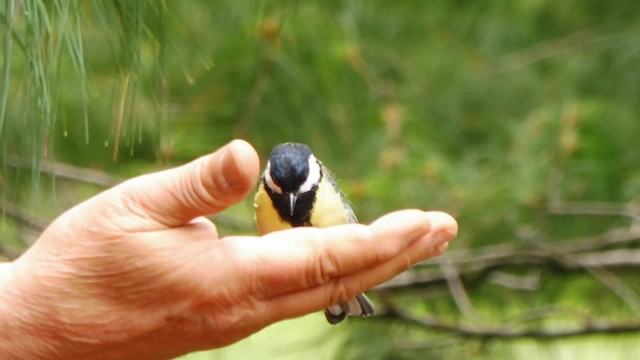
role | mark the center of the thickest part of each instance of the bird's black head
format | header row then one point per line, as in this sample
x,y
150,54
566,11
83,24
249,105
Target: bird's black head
x,y
289,166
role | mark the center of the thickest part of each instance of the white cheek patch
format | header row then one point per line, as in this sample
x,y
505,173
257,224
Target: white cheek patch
x,y
267,178
314,175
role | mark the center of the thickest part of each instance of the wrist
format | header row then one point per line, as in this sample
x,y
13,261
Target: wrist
x,y
33,333
12,342
49,318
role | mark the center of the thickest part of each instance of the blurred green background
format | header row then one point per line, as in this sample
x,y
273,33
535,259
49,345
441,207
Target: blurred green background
x,y
519,118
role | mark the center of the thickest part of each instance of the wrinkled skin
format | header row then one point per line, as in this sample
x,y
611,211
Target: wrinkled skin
x,y
138,272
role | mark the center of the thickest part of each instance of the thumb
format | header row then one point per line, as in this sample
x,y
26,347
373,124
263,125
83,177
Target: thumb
x,y
204,186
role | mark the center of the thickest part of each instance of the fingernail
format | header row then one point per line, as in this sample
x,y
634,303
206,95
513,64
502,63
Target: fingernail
x,y
232,166
443,237
442,248
241,160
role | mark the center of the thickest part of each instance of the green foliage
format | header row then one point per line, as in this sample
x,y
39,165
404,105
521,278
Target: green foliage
x,y
494,112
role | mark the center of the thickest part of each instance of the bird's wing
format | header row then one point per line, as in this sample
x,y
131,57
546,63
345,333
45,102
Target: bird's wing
x,y
351,215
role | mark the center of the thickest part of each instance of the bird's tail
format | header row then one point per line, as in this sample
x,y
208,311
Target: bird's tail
x,y
359,306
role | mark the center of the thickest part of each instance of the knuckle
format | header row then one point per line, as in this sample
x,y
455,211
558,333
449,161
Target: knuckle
x,y
407,263
328,267
324,264
387,251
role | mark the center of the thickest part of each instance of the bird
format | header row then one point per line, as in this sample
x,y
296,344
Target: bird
x,y
296,190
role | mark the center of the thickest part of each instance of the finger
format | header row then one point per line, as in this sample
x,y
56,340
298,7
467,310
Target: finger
x,y
305,258
342,289
205,186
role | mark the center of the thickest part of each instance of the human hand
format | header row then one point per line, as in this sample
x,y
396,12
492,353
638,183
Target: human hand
x,y
138,272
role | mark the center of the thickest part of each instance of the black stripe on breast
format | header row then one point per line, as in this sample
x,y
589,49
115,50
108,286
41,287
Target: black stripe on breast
x,y
304,204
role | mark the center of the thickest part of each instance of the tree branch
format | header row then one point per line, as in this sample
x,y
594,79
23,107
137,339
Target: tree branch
x,y
456,287
584,253
66,171
21,217
503,332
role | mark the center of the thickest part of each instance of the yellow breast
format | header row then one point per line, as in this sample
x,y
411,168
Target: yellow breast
x,y
267,218
328,210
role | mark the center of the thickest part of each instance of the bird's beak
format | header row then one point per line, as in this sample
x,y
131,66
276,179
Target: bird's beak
x,y
292,203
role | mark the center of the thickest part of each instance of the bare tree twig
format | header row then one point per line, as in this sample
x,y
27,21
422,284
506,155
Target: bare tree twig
x,y
432,344
429,273
616,257
547,312
66,171
617,236
617,286
598,270
456,287
529,282
593,208
511,332
13,211
603,257
89,176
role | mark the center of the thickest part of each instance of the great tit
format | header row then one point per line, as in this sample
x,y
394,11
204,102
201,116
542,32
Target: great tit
x,y
297,190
